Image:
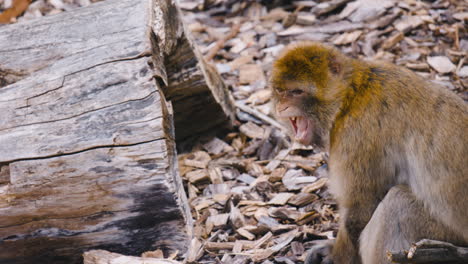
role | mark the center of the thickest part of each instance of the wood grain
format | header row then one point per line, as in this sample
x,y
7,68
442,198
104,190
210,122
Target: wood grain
x,y
87,141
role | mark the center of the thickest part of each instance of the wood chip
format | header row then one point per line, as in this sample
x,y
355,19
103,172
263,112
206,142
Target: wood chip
x,y
365,10
244,177
302,199
259,97
315,186
393,40
408,23
185,5
252,130
341,26
215,174
347,38
264,239
243,232
261,212
158,253
250,73
276,14
328,6
284,213
218,220
463,72
242,60
281,198
295,179
297,248
463,16
199,159
217,146
307,218
306,19
203,204
197,176
238,245
441,64
422,66
236,217
386,20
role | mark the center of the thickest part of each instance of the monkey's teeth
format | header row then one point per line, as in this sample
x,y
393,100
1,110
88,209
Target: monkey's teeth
x,y
293,123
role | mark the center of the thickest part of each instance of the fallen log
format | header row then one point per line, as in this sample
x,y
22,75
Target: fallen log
x,y
431,251
106,257
87,141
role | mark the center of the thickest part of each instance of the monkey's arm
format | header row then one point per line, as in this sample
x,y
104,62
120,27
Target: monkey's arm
x,y
345,248
359,179
352,222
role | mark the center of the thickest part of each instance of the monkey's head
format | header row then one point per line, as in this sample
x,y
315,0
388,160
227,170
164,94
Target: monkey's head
x,y
307,82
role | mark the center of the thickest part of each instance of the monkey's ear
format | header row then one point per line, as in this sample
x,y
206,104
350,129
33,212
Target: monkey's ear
x,y
334,64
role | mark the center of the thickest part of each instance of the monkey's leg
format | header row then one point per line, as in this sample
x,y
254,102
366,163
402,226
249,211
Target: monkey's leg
x,y
399,221
346,247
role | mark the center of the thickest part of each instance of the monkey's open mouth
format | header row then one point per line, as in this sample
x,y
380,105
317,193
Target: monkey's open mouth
x,y
302,128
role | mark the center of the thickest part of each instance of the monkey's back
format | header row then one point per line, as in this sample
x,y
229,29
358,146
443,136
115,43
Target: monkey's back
x,y
423,127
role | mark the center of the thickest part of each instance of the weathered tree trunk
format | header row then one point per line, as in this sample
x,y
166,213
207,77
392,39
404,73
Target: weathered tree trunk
x,y
87,146
106,257
431,251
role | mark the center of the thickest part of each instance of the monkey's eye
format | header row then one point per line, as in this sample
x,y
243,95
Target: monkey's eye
x,y
296,92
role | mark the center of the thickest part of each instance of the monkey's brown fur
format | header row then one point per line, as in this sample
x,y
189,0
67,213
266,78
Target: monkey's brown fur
x,y
396,141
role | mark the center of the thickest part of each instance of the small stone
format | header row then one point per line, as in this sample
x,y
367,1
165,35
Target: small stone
x,y
441,64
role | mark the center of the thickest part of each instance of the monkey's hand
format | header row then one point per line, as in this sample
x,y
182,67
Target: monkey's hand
x,y
320,252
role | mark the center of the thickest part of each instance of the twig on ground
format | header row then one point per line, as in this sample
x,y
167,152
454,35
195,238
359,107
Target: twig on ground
x,y
261,116
220,43
430,251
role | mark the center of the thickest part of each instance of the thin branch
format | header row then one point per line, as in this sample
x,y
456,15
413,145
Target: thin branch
x,y
430,251
261,116
220,43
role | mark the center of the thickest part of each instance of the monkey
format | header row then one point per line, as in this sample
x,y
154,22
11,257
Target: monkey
x,y
397,148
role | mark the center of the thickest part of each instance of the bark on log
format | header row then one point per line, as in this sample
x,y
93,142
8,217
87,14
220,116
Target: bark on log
x,y
106,257
87,148
431,251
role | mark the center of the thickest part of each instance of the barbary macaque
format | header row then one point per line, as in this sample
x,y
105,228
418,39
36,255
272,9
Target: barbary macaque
x,y
398,149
